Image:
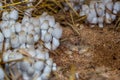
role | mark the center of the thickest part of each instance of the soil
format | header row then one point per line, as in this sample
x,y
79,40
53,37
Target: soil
x,y
94,54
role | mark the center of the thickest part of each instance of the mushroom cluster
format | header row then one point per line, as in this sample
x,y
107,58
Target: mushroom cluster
x,y
99,12
75,4
22,44
37,65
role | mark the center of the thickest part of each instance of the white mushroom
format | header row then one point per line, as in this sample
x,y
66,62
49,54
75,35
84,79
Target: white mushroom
x,y
55,43
57,32
1,37
6,32
14,14
22,37
14,41
2,75
44,25
17,27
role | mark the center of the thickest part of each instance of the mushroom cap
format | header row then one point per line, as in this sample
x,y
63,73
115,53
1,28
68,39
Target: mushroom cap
x,y
14,14
2,75
1,37
57,32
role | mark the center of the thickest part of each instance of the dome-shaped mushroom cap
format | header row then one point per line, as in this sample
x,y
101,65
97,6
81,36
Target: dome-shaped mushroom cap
x,y
1,37
44,25
55,43
5,15
51,20
109,5
57,32
38,66
14,14
14,41
30,71
22,37
6,32
2,75
40,54
42,18
24,66
25,19
47,37
116,6
39,78
35,21
49,62
18,27
47,69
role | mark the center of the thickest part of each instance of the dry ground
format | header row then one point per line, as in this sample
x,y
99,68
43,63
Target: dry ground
x,y
94,54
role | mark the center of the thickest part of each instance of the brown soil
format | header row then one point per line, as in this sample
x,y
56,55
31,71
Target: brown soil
x,y
92,55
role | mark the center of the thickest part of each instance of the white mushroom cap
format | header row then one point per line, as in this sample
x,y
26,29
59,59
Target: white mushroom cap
x,y
100,21
116,6
46,55
7,44
30,39
82,13
30,71
1,37
30,27
12,27
50,30
109,5
3,24
14,40
100,9
54,68
35,21
45,76
38,66
5,15
108,19
24,66
85,8
11,22
31,51
36,37
14,14
2,75
47,37
39,78
6,32
40,54
18,27
43,32
47,70
22,37
42,18
55,43
6,56
37,29
57,32
25,19
49,62
44,25
51,20
14,56
25,76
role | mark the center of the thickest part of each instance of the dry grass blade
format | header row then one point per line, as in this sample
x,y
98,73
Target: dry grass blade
x,y
22,51
71,7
